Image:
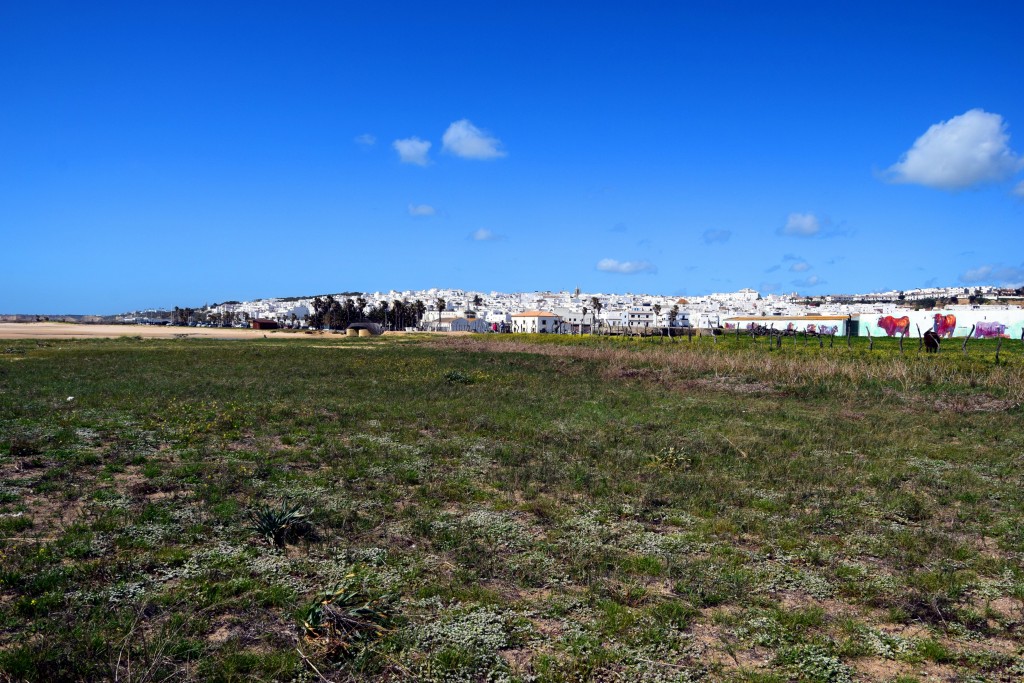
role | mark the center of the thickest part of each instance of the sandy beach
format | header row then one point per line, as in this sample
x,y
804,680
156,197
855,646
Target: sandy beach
x,y
77,331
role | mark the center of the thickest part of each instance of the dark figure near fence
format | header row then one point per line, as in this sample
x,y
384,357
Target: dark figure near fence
x,y
931,342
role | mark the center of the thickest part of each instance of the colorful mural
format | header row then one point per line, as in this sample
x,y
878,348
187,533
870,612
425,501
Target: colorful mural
x,y
990,330
987,323
892,325
945,325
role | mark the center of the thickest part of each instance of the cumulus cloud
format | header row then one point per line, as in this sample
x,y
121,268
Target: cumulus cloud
x,y
770,286
610,265
802,225
719,236
485,235
969,149
366,139
1019,189
421,210
1007,276
800,267
412,150
465,140
811,281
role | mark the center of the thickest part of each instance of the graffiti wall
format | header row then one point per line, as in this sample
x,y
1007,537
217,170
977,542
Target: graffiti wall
x,y
980,324
825,325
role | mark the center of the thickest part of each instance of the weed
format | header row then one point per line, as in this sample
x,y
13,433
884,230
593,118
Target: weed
x,y
279,525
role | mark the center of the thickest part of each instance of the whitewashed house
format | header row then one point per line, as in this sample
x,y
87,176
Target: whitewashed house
x,y
535,321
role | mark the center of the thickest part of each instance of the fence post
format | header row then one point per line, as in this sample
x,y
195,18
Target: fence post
x,y
999,345
871,340
920,339
964,347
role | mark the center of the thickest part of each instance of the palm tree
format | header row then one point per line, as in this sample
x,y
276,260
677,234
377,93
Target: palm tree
x,y
657,311
440,305
419,309
477,301
673,314
596,303
583,318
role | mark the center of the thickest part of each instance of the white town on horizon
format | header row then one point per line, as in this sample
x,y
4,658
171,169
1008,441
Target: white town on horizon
x,y
981,311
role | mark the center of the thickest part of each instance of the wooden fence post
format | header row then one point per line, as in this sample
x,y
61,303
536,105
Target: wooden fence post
x,y
871,340
920,339
999,345
964,347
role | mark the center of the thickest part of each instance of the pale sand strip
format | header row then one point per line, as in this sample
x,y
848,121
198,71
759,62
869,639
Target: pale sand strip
x,y
74,331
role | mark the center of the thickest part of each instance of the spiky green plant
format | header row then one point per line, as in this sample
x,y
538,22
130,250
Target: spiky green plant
x,y
346,617
277,525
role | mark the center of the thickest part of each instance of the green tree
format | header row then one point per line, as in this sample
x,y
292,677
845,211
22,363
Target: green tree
x,y
597,306
440,305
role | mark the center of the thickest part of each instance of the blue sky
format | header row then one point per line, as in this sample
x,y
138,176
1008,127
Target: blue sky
x,y
161,154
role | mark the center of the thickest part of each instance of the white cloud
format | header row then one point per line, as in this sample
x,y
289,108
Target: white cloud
x,y
802,225
1019,189
712,236
800,267
610,265
966,150
366,139
811,281
465,140
412,150
484,235
421,210
1007,276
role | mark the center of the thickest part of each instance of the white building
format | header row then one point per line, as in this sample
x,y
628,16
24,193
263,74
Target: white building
x,y
535,321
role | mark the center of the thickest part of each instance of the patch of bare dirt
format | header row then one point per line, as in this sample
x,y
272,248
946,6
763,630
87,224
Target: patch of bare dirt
x,y
733,385
980,403
878,669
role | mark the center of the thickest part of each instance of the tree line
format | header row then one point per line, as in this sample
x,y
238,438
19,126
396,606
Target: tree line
x,y
333,314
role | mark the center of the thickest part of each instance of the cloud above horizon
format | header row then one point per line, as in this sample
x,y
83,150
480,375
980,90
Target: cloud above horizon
x,y
800,267
366,139
610,265
465,140
1018,191
810,281
801,225
716,236
412,150
421,210
1007,276
967,150
485,235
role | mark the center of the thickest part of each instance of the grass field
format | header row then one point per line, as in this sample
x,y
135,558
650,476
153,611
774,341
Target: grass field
x,y
510,509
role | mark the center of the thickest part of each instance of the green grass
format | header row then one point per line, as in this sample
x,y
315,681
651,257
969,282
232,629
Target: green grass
x,y
527,508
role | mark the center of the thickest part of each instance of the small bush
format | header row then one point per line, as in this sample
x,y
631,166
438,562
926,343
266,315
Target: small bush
x,y
279,525
343,619
457,377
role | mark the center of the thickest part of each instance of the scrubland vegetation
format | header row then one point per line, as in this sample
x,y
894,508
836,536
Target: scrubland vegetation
x,y
510,509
